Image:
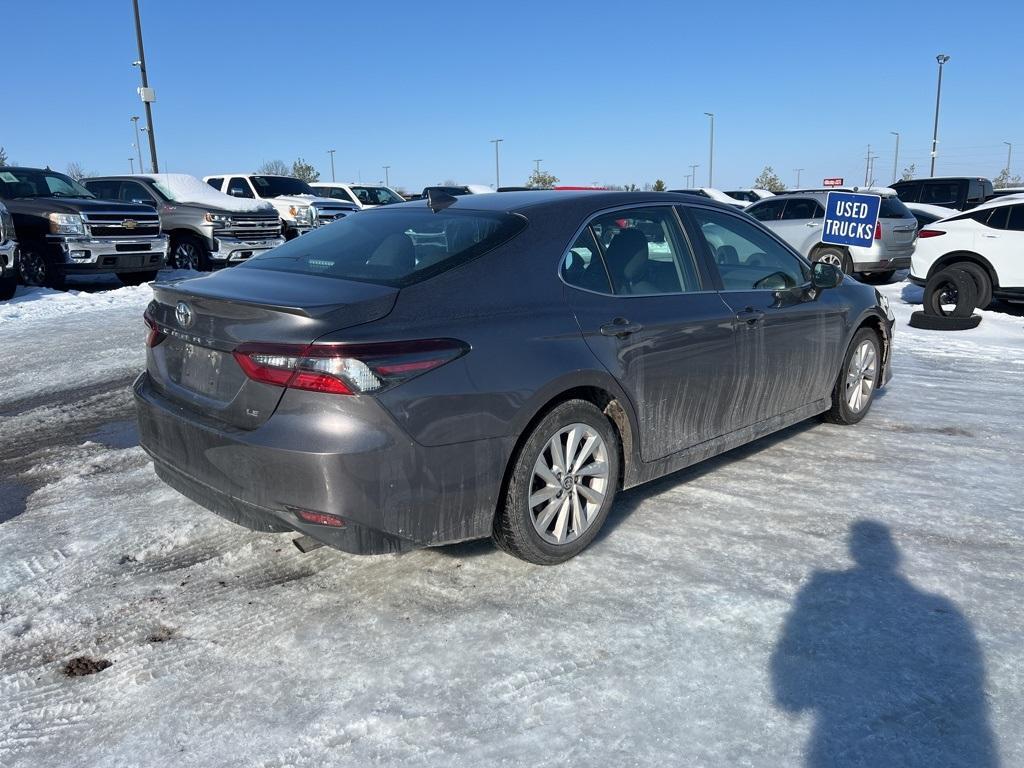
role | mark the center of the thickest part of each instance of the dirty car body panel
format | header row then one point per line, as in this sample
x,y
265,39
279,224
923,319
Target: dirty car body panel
x,y
421,455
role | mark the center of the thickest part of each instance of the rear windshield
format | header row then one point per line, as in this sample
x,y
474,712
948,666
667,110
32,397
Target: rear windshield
x,y
893,208
391,246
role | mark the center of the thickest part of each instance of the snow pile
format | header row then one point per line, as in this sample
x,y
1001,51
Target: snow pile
x,y
183,188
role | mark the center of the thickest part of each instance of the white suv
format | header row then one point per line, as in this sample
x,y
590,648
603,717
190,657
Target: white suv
x,y
987,241
363,195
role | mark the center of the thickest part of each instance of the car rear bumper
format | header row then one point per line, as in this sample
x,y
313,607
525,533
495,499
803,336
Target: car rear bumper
x,y
883,265
392,493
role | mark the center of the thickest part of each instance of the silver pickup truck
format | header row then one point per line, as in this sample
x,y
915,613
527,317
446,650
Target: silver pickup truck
x,y
208,230
8,255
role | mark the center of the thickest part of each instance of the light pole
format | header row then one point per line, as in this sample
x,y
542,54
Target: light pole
x,y
145,92
942,59
331,153
387,177
896,157
693,173
688,177
497,165
138,146
536,164
131,163
798,170
711,152
1009,156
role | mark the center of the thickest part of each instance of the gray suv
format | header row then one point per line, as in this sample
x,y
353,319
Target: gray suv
x,y
205,227
797,218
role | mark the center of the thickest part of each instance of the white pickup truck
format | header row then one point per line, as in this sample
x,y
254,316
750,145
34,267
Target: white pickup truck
x,y
296,202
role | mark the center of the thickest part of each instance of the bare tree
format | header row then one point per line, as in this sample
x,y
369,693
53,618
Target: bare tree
x,y
76,171
303,170
274,168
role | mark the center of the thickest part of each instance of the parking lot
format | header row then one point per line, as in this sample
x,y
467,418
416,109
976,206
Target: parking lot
x,y
764,608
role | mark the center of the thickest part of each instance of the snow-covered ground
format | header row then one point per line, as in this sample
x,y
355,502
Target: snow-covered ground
x,y
719,620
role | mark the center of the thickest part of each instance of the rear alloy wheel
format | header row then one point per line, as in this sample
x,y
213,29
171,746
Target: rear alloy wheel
x,y
563,484
858,380
36,270
951,293
190,252
835,257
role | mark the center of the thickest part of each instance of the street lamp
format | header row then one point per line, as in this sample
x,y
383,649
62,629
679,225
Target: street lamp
x,y
711,152
138,146
942,59
146,93
536,164
798,177
387,178
693,173
497,167
331,153
896,157
131,163
1009,155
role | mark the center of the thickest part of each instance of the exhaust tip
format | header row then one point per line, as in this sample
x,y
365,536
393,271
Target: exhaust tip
x,y
306,544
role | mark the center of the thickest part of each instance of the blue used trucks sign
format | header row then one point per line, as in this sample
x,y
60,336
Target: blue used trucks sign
x,y
850,219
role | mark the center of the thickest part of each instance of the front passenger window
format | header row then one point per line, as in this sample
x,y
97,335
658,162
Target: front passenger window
x,y
239,187
748,258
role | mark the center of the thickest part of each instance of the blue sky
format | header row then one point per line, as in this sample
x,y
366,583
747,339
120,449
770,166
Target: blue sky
x,y
612,93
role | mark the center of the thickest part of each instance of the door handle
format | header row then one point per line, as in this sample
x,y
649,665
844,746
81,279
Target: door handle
x,y
813,224
750,316
990,237
620,327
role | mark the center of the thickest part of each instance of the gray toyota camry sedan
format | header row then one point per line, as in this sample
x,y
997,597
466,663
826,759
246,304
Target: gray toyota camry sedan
x,y
494,365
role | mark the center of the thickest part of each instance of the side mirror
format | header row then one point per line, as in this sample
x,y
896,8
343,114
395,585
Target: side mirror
x,y
826,275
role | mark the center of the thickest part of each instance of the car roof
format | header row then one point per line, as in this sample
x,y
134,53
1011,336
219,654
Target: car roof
x,y
943,178
515,202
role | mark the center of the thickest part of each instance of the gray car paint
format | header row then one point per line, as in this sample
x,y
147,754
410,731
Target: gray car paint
x,y
424,463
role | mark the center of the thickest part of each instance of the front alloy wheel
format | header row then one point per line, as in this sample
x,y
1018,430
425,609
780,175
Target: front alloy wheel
x,y
861,375
570,479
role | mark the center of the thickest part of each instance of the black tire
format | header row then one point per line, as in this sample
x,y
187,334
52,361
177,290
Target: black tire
x,y
950,287
514,528
982,282
35,269
136,278
835,255
842,412
943,322
189,252
9,282
876,278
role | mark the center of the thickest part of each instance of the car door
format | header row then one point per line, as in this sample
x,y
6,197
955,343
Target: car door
x,y
1010,260
653,320
788,337
800,223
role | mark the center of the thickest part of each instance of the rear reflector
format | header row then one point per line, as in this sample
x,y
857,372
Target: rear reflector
x,y
345,369
878,230
319,518
930,233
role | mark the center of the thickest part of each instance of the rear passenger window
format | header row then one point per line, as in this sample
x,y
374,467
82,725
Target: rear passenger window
x,y
645,252
770,210
748,258
803,209
583,267
1016,218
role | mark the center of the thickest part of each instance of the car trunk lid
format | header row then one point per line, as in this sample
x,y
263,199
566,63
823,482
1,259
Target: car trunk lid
x,y
200,322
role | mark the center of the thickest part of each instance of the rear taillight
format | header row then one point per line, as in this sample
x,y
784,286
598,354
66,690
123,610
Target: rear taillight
x,y
930,233
345,369
878,230
155,335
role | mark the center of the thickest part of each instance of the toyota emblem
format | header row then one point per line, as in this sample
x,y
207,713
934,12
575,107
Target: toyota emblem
x,y
183,314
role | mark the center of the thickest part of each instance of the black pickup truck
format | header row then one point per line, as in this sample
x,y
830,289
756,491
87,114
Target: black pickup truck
x,y
63,229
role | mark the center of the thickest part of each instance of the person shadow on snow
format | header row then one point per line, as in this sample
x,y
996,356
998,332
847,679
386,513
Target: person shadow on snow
x,y
893,675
